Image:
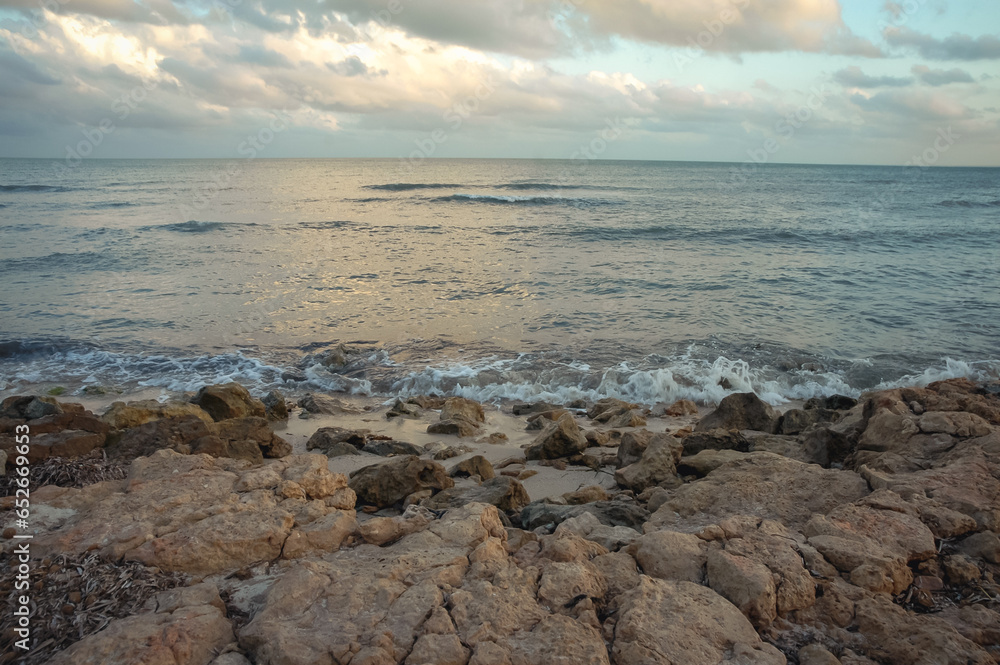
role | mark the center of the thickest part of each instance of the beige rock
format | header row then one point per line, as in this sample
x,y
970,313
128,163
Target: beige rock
x,y
682,407
762,484
663,621
189,634
432,649
588,494
815,654
657,465
121,415
391,481
956,423
670,555
230,400
560,439
558,640
563,583
474,466
504,492
311,473
320,536
464,408
741,411
745,583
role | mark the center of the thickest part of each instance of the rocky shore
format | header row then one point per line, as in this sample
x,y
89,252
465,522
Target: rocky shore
x,y
226,529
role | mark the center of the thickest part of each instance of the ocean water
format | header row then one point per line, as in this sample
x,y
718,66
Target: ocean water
x,y
497,279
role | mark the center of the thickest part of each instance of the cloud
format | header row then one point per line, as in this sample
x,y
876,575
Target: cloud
x,y
853,77
731,26
914,105
938,77
955,47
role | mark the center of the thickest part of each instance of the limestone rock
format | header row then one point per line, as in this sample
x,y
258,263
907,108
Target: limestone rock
x,y
121,415
230,400
796,421
745,583
658,464
663,621
669,555
457,426
328,439
715,439
682,407
560,439
275,406
459,407
741,411
612,513
474,466
384,448
392,481
504,492
632,446
318,404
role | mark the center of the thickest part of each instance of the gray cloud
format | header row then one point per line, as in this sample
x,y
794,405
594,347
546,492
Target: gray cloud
x,y
853,77
937,77
955,47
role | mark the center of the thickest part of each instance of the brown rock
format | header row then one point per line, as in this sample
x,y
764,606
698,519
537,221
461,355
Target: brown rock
x,y
392,481
658,464
126,416
474,466
745,583
741,411
560,439
682,407
457,426
229,401
504,492
715,439
275,406
328,439
632,446
679,622
669,555
316,404
587,494
459,407
961,569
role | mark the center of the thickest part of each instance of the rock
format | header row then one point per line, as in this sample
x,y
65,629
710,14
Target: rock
x,y
474,466
392,481
630,418
663,621
555,640
957,424
314,476
327,438
961,569
669,555
588,494
612,513
385,448
761,484
985,545
239,438
893,635
815,654
3,463
560,439
383,530
607,408
715,439
449,452
190,634
125,416
632,446
588,527
825,446
786,446
745,583
275,406
403,409
707,461
682,407
795,421
456,426
438,649
540,420
339,450
658,464
228,401
459,407
318,404
242,431
504,492
888,431
741,411
523,409
29,407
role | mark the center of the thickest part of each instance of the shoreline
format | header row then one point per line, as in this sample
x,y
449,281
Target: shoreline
x,y
440,530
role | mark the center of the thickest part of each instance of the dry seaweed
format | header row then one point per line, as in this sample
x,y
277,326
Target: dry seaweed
x,y
74,597
88,469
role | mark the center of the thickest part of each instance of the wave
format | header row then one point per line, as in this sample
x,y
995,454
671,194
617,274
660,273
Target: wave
x,y
962,203
195,226
541,186
411,186
35,188
703,378
113,204
520,200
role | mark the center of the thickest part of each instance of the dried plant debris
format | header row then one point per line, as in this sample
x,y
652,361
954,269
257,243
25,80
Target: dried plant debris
x,y
88,469
74,597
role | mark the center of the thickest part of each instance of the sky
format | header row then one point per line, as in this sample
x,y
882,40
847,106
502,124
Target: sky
x,y
797,81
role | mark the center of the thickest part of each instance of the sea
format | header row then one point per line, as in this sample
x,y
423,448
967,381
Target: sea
x,y
496,279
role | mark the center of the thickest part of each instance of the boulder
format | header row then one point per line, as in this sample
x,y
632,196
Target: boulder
x,y
474,466
275,407
560,439
384,448
745,583
390,482
682,407
658,464
459,407
741,411
457,426
229,401
796,421
178,633
632,446
525,409
612,513
630,418
29,407
504,492
715,439
765,485
662,621
241,438
327,438
241,431
604,410
121,415
669,555
540,420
